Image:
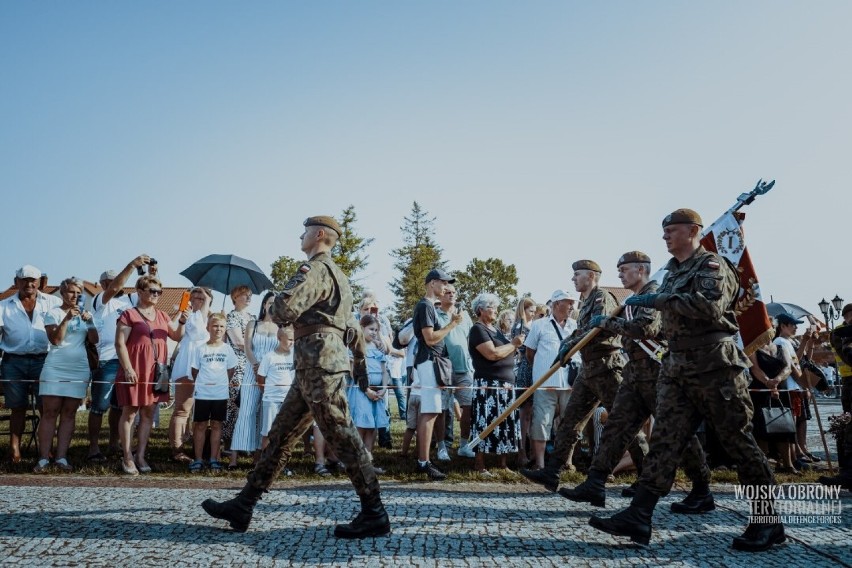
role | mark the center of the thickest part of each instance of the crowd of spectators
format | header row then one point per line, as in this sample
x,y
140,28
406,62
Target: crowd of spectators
x,y
494,356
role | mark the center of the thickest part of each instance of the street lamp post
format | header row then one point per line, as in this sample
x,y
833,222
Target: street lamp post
x,y
831,311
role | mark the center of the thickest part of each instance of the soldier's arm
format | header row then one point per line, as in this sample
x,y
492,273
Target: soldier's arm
x,y
604,305
714,288
311,283
644,325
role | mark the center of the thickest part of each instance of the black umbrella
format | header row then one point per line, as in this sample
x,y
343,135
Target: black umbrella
x,y
224,272
775,309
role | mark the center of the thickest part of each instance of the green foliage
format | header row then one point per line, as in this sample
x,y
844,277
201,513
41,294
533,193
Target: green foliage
x,y
418,255
348,253
492,276
282,270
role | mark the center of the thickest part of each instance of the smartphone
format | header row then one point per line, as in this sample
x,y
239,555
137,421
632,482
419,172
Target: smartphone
x,y
184,301
374,310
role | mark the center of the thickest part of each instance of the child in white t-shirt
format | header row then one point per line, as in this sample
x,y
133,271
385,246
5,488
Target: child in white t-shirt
x,y
275,376
212,364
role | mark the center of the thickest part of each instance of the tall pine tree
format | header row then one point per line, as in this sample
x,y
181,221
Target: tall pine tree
x,y
419,254
349,252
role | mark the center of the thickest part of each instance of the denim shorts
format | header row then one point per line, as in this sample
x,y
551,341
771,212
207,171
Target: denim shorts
x,y
103,385
20,378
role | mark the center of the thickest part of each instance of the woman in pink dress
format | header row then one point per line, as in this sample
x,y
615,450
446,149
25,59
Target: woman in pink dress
x,y
140,342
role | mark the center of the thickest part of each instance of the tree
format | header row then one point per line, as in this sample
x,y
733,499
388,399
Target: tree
x,y
282,270
490,276
418,255
348,253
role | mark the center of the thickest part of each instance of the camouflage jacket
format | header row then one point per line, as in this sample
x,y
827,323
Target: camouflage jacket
x,y
319,294
696,301
642,323
604,351
841,343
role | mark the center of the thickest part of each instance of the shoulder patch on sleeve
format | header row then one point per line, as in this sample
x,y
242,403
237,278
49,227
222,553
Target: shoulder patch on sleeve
x,y
305,268
713,264
598,300
295,280
709,283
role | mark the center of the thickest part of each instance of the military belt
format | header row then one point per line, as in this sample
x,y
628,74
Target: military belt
x,y
300,332
700,341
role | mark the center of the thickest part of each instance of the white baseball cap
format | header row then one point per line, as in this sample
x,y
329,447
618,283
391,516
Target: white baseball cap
x,y
108,275
562,295
28,271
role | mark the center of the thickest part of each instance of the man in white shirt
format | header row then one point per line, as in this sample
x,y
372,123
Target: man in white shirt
x,y
107,306
542,346
24,343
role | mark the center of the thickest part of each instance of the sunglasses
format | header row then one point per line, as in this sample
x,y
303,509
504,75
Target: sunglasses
x,y
154,291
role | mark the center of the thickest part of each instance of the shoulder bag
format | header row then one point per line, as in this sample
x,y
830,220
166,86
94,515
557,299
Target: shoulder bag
x,y
161,370
779,420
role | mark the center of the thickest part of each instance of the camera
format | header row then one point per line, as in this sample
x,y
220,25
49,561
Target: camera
x,y
141,271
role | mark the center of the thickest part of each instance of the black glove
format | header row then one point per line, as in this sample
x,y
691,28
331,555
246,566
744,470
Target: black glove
x,y
359,371
642,301
561,358
596,321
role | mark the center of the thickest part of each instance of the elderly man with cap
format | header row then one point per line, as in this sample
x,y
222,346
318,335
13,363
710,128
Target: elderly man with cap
x,y
599,376
841,343
108,306
430,334
24,343
542,345
317,301
703,376
636,399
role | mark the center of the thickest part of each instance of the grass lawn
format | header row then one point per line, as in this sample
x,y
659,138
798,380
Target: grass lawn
x,y
397,468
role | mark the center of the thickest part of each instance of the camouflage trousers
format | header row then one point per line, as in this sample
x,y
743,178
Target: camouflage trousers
x,y
588,393
720,397
321,397
635,402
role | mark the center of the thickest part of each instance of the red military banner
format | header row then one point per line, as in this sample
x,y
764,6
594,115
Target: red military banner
x,y
725,236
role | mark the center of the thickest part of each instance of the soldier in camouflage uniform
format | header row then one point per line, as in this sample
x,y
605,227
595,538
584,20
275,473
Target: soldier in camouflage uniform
x,y
318,302
841,343
637,398
703,376
598,379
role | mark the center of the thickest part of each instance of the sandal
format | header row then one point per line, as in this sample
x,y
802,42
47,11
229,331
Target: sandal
x,y
42,466
196,466
321,470
181,457
129,469
216,466
63,465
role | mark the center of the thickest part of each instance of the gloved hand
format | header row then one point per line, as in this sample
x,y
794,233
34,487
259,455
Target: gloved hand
x,y
642,301
596,321
359,371
561,358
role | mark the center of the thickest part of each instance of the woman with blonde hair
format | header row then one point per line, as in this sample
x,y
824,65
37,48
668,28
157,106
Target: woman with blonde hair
x,y
195,332
65,374
238,320
525,313
141,342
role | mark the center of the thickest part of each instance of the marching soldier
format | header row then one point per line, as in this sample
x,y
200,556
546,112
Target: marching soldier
x,y
703,376
841,343
599,376
318,302
637,398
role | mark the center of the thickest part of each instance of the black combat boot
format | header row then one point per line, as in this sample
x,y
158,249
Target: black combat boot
x,y
630,490
761,536
548,476
371,521
634,521
592,490
699,500
236,511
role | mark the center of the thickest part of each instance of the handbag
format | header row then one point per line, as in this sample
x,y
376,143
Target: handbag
x,y
92,355
779,420
443,370
161,370
771,366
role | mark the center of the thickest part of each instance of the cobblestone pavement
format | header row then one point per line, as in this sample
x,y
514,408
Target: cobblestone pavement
x,y
447,525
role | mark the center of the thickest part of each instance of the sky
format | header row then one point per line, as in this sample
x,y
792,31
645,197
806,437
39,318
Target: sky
x,y
535,132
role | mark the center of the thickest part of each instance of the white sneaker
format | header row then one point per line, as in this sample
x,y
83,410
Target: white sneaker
x,y
443,454
465,452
